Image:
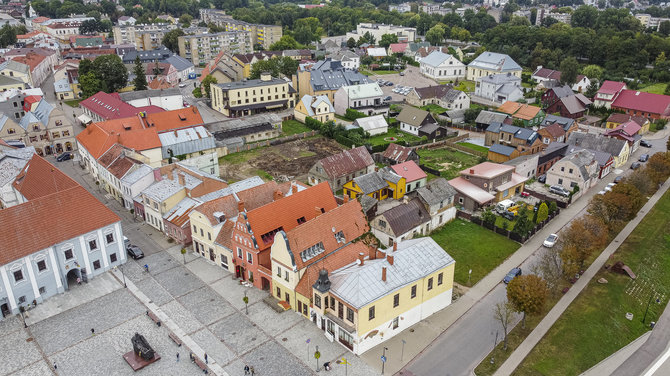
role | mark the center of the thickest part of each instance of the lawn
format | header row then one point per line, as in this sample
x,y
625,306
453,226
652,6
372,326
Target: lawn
x,y
655,88
473,247
474,147
433,108
449,162
290,127
500,220
73,103
393,132
466,86
594,326
240,157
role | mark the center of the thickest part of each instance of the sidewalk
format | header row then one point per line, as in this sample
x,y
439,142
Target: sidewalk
x,y
543,327
421,336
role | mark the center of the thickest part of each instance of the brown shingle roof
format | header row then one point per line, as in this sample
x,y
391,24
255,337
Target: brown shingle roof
x,y
405,217
347,162
555,130
50,219
40,178
397,152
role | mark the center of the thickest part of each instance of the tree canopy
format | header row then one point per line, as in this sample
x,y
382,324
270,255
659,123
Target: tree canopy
x,y
140,81
527,294
171,39
106,73
276,66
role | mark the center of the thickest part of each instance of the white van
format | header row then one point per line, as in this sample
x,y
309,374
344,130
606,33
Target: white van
x,y
126,241
504,205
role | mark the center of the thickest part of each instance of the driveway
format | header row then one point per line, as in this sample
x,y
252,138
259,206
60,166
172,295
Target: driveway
x,y
412,78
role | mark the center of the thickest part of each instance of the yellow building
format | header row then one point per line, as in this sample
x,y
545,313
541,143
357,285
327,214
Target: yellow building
x,y
201,48
325,77
298,255
488,63
365,303
8,83
379,185
617,119
318,108
242,98
16,70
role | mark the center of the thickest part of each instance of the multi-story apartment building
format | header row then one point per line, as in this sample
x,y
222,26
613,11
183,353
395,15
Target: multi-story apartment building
x,y
201,48
147,37
405,34
650,22
250,97
365,98
261,35
325,77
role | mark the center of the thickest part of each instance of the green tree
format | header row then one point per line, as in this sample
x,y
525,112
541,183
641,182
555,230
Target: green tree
x,y
569,70
111,70
523,224
140,78
488,217
7,36
664,28
593,72
542,213
307,30
436,35
171,39
206,84
592,89
286,42
185,20
90,84
351,42
387,39
527,294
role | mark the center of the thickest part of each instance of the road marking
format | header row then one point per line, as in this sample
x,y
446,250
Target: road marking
x,y
658,363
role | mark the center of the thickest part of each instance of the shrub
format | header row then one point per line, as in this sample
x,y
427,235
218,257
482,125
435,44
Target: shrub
x,y
352,114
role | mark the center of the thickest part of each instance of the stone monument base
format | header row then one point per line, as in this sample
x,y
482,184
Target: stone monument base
x,y
136,362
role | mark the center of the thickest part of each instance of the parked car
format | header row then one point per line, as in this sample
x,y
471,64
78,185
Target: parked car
x,y
511,275
559,190
602,192
183,84
645,143
388,98
402,73
525,194
644,158
134,252
618,179
542,179
635,166
64,157
609,187
508,215
550,241
389,83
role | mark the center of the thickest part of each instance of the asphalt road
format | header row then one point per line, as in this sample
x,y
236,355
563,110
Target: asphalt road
x,y
460,348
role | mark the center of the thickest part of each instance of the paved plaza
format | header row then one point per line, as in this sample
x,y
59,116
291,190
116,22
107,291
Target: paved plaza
x,y
203,300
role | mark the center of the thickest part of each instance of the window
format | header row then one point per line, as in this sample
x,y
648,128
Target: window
x,y
396,300
112,257
395,323
109,238
195,229
331,327
371,313
278,293
22,299
209,235
430,283
18,276
250,258
340,310
317,300
96,264
413,294
560,181
202,233
68,254
382,224
93,244
325,300
239,252
43,290
41,266
332,303
350,315
286,276
439,279
346,339
279,272
571,171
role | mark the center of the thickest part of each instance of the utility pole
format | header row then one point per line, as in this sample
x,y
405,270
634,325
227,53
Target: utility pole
x,y
384,359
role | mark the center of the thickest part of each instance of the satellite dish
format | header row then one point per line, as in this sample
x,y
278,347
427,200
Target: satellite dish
x,y
333,229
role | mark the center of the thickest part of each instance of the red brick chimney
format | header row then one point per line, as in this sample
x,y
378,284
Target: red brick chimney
x,y
389,255
372,253
318,211
182,179
346,198
395,246
384,273
472,171
240,206
278,195
361,258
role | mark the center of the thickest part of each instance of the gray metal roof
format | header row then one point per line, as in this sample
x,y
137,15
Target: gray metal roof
x,y
165,188
179,62
590,141
233,188
132,95
330,75
566,123
360,285
435,58
186,141
488,117
136,174
250,83
371,182
436,191
407,216
371,122
500,79
501,149
495,61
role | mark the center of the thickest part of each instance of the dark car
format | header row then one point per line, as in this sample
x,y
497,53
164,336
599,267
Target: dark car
x,y
389,83
618,179
64,157
134,252
388,98
508,215
542,179
645,143
644,157
511,275
635,166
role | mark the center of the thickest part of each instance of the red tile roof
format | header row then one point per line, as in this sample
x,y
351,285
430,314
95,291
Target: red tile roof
x,y
51,219
348,218
31,59
643,102
398,47
40,178
110,106
622,118
611,87
548,74
487,170
397,152
347,162
409,170
285,213
555,130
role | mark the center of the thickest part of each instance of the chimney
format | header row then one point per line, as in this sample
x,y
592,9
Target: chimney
x,y
472,171
361,258
318,210
372,253
395,247
346,198
389,257
384,273
240,206
182,179
169,174
157,175
277,195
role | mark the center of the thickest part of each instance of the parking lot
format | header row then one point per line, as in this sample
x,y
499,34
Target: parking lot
x,y
411,79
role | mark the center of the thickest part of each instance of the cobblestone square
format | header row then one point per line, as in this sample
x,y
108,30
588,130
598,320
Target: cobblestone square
x,y
154,291
178,281
187,322
213,346
18,349
158,262
239,333
273,359
206,305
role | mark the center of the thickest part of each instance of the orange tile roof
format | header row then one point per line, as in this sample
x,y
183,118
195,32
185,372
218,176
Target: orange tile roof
x,y
51,219
519,110
348,218
40,178
285,213
330,262
31,59
509,107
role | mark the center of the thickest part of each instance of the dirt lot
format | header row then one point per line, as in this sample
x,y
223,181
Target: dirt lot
x,y
291,160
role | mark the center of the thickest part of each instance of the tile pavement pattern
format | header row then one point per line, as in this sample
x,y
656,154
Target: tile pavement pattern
x,y
204,300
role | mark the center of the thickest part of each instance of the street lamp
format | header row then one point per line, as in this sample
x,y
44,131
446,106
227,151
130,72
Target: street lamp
x,y
495,342
384,359
651,296
22,309
124,276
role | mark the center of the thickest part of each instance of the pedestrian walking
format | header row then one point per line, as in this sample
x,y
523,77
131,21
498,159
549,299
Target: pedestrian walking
x,y
55,366
246,369
92,331
146,267
78,281
177,356
190,355
206,361
252,370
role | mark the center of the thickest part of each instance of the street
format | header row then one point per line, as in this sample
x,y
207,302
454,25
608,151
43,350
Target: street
x,y
458,350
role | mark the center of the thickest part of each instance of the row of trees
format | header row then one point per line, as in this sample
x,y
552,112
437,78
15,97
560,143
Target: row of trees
x,y
277,66
106,73
8,34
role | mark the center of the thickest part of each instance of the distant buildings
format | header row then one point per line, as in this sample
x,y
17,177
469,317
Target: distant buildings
x,y
201,48
261,35
442,67
143,37
405,34
325,77
242,98
650,22
489,63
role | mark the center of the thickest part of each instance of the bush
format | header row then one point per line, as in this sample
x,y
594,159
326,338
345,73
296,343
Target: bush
x,y
352,114
197,92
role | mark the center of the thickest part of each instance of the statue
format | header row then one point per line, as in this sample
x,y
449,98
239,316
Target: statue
x,y
141,347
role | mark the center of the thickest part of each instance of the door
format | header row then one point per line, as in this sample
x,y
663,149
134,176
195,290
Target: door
x,y
286,297
323,324
5,310
212,256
